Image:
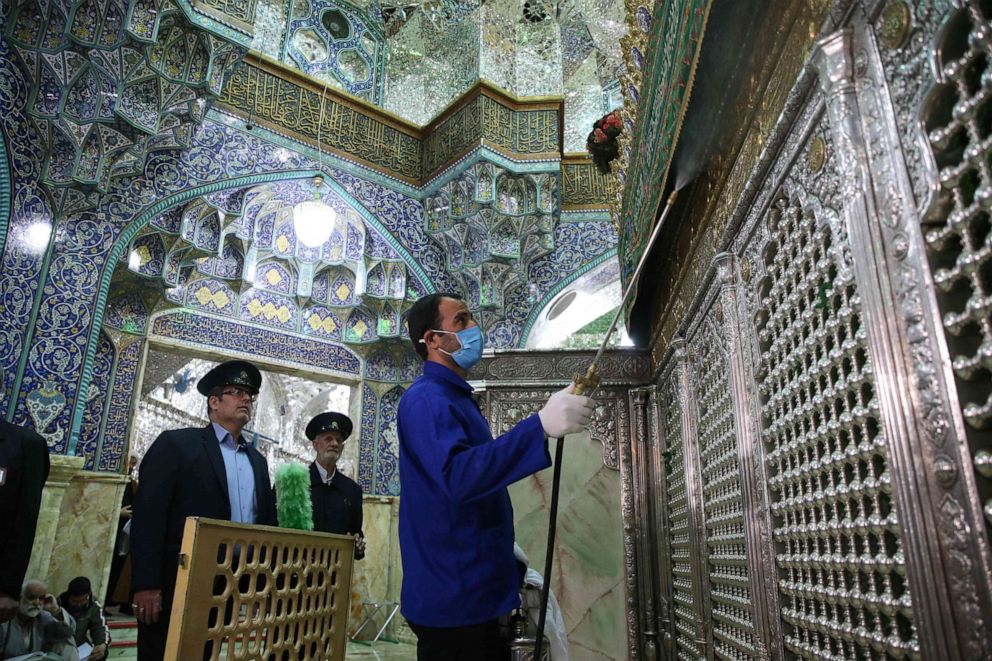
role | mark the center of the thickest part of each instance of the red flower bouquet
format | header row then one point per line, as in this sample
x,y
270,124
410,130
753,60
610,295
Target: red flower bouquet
x,y
602,141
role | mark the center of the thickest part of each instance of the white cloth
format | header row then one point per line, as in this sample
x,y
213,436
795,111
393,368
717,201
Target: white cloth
x,y
530,602
324,477
124,539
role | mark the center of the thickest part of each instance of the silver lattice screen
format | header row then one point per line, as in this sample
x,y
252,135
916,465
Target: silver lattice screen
x,y
685,607
958,230
822,484
843,592
730,593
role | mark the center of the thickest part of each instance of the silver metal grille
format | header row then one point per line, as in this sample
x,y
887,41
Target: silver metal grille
x,y
958,121
842,572
685,611
733,628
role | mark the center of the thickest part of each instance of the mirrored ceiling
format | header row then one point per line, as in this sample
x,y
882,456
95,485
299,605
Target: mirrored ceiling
x,y
414,57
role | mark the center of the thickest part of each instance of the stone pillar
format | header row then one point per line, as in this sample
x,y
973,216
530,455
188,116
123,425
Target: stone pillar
x,y
378,576
87,530
62,471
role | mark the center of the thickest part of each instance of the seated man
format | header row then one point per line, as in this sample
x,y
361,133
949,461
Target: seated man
x,y
91,626
59,643
25,633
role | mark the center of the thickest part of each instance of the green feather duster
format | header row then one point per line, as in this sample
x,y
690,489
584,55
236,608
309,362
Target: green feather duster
x,y
293,504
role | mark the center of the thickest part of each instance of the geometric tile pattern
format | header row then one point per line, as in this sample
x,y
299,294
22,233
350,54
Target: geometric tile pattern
x,y
196,329
378,470
96,401
111,81
118,418
367,451
492,225
206,222
340,43
387,478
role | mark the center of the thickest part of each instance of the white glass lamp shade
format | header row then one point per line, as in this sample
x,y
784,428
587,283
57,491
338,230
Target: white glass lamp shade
x,y
313,221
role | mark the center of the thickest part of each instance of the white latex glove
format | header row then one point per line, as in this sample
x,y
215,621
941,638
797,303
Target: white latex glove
x,y
566,413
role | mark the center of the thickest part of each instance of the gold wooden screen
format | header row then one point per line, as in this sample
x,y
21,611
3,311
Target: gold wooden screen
x,y
257,592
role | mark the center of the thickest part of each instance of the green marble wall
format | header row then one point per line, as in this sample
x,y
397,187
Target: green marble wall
x,y
588,575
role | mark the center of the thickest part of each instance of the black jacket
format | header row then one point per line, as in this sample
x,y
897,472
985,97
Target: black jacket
x,y
24,466
337,507
183,475
91,625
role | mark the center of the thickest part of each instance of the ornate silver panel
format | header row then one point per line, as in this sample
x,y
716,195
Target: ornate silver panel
x,y
839,366
931,487
641,445
661,529
515,384
957,226
534,369
734,635
687,608
842,584
632,555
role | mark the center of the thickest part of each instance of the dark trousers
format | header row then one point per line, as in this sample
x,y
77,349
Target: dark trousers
x,y
152,637
116,565
478,642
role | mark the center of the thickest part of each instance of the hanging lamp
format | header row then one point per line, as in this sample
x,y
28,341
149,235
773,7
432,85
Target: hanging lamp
x,y
313,219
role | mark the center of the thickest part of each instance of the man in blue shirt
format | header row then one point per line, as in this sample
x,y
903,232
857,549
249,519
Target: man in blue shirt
x,y
456,520
199,471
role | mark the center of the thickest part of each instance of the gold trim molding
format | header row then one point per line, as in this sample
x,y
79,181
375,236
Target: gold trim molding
x,y
583,188
288,102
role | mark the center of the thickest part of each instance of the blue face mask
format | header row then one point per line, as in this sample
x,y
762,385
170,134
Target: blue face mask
x,y
471,352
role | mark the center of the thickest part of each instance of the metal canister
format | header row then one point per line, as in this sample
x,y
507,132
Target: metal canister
x,y
521,644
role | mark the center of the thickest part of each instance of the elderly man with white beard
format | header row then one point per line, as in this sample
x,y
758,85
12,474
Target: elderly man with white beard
x,y
25,632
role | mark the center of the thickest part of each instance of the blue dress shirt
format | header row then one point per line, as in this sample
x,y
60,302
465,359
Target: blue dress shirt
x,y
456,520
240,477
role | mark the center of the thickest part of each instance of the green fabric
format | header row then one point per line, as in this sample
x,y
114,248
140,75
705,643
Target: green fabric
x,y
673,49
293,505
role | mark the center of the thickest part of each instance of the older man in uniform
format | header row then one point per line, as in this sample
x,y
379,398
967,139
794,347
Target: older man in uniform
x,y
208,472
337,499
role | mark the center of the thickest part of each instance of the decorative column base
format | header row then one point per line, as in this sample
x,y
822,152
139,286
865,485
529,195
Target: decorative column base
x,y
63,469
84,541
77,526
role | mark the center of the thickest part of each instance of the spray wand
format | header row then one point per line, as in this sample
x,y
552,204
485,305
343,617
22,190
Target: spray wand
x,y
586,383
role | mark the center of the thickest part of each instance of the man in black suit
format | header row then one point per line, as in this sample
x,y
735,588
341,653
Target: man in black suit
x,y
23,471
207,472
337,499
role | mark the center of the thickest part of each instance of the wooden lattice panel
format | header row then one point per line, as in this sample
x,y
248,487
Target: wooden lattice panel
x,y
257,592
